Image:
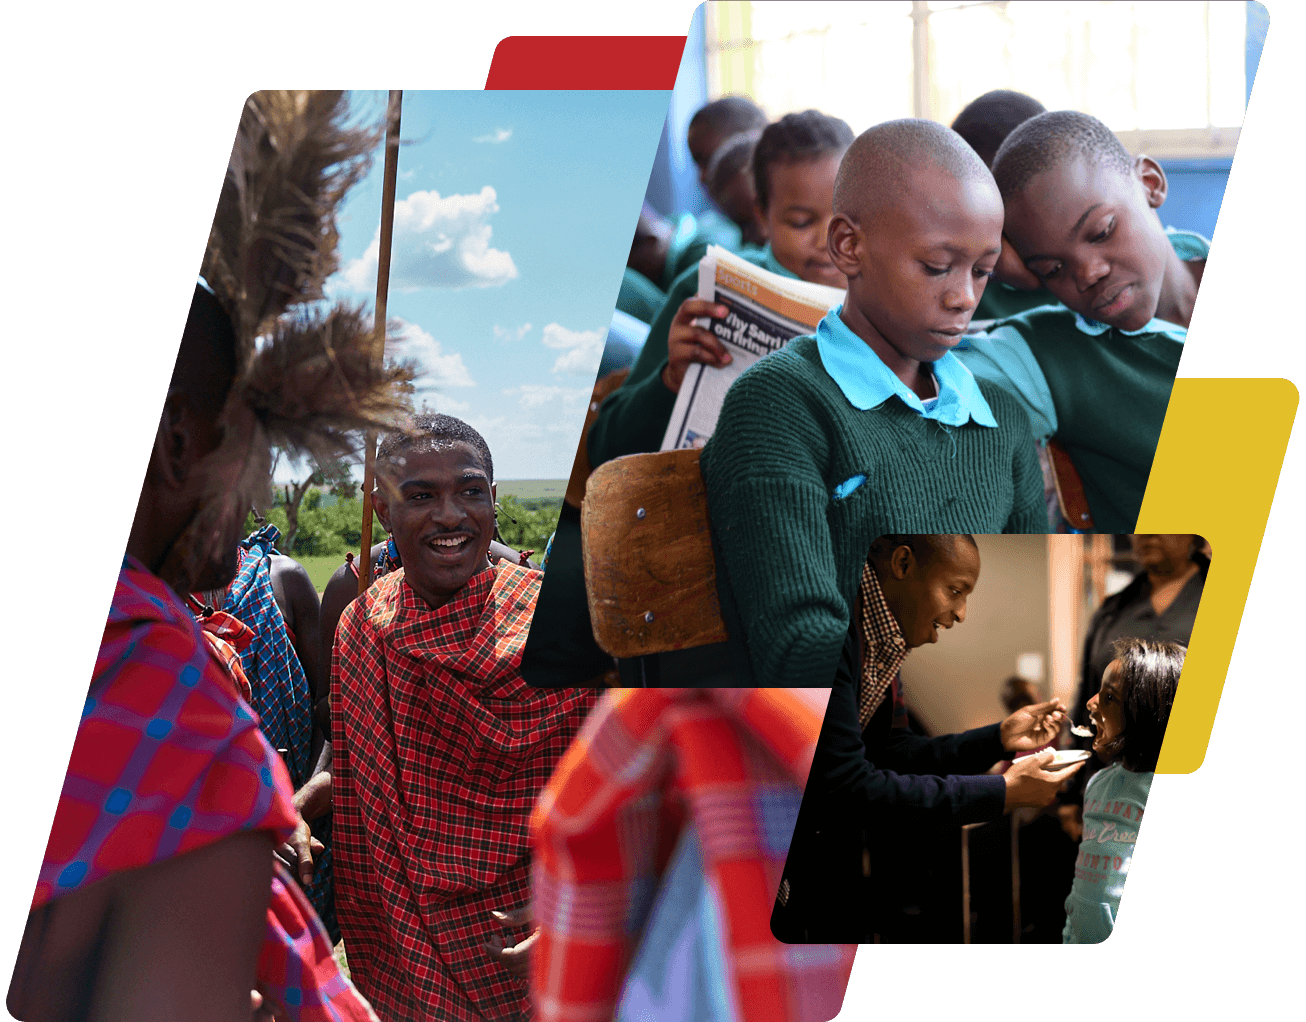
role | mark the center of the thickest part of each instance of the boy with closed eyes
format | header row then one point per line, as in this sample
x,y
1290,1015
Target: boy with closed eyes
x,y
1096,372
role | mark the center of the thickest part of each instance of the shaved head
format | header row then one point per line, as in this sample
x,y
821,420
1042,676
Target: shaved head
x,y
880,164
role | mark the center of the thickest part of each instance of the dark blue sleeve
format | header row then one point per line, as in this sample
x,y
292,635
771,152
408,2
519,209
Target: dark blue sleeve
x,y
845,784
971,752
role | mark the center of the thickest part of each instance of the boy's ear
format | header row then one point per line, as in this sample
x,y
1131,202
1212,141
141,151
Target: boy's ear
x,y
1155,186
844,243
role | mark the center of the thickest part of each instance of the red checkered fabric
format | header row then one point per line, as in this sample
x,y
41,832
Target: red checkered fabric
x,y
648,763
439,751
228,636
168,759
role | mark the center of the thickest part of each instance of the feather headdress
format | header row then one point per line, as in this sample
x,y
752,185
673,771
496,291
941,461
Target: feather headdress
x,y
305,377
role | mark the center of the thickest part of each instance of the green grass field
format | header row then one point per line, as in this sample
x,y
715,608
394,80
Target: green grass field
x,y
320,569
532,489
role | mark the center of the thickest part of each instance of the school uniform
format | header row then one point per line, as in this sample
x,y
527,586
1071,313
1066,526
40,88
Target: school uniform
x,y
1002,301
1100,391
639,296
692,236
818,451
634,419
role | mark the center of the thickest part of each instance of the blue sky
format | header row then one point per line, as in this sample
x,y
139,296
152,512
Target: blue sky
x,y
513,222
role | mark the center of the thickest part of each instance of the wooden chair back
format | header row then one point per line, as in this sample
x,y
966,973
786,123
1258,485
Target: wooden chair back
x,y
649,569
1070,488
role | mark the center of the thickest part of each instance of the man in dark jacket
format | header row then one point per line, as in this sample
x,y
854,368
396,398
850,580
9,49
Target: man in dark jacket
x,y
871,776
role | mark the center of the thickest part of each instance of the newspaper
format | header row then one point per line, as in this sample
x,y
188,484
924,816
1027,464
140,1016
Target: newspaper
x,y
767,311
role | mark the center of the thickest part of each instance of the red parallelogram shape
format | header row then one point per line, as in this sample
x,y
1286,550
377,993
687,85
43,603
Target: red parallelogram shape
x,y
586,62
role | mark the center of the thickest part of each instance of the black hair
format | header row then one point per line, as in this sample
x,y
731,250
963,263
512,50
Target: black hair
x,y
1147,680
728,115
796,138
989,119
206,358
1048,140
732,157
429,431
923,547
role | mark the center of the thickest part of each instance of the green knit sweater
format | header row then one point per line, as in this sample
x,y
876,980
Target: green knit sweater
x,y
1110,392
789,553
634,419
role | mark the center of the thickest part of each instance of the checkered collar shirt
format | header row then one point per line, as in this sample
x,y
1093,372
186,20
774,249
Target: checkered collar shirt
x,y
883,647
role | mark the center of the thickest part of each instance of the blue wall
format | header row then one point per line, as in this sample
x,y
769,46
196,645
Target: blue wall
x,y
1196,191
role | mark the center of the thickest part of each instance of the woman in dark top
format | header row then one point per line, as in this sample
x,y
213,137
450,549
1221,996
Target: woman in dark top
x,y
1159,604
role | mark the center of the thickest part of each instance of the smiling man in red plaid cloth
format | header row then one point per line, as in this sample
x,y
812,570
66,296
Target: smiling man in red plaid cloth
x,y
440,748
659,845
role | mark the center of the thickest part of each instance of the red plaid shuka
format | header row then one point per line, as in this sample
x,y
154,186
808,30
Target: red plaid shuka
x,y
648,765
439,751
229,636
168,759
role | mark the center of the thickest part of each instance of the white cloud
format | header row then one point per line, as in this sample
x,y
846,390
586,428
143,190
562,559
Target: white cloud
x,y
535,437
498,135
439,369
581,349
438,242
511,333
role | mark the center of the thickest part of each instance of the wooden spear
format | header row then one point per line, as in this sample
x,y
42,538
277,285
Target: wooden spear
x,y
391,175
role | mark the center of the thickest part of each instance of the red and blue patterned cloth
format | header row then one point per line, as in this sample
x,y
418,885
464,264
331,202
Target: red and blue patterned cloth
x,y
281,694
439,751
282,697
169,759
661,783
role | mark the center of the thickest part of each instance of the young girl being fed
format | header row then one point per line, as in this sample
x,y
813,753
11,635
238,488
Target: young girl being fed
x,y
1129,716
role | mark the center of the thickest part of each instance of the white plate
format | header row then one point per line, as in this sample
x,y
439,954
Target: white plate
x,y
1064,758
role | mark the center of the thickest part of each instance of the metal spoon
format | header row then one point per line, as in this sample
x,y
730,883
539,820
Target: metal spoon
x,y
1082,732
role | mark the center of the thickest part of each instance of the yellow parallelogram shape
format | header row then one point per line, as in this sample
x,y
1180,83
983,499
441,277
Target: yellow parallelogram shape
x,y
1217,465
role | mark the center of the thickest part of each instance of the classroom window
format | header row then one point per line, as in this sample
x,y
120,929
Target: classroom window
x,y
1169,78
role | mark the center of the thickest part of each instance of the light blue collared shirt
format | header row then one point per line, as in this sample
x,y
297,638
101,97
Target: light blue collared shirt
x,y
1002,356
867,382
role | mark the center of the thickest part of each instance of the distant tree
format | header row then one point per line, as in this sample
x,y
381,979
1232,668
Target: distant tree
x,y
336,478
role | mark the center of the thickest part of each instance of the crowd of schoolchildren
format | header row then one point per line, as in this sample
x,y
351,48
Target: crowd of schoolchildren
x,y
498,850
